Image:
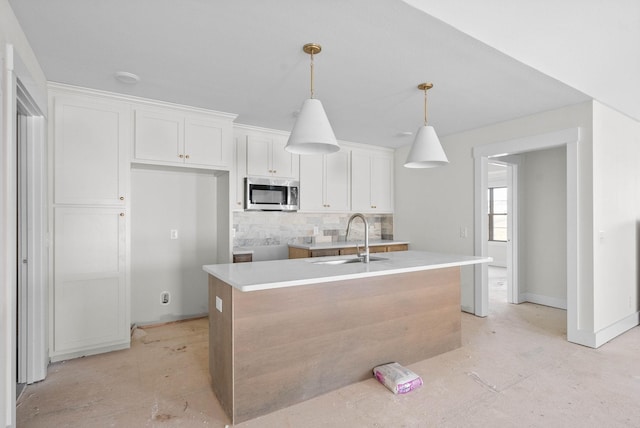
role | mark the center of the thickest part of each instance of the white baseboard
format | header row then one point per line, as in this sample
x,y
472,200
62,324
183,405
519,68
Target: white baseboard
x,y
94,351
538,299
616,329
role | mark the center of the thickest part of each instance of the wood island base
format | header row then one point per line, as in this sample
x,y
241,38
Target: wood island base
x,y
273,348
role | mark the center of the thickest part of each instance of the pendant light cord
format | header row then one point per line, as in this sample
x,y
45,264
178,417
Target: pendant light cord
x,y
425,107
311,74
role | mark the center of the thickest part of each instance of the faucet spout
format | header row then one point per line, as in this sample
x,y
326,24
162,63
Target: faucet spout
x,y
365,256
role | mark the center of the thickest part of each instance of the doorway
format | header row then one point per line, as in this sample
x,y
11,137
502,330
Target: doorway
x,y
502,228
568,139
31,248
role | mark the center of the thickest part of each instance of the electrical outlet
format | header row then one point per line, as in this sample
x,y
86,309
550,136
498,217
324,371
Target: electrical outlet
x,y
218,304
315,230
165,297
174,234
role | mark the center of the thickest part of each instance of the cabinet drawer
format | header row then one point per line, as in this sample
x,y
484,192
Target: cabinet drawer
x,y
327,252
348,251
242,258
398,247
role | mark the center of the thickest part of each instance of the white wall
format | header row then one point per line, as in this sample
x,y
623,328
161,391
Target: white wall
x,y
164,199
543,227
431,205
17,60
616,178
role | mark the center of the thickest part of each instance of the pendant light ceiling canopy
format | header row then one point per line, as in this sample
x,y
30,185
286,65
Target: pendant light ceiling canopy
x,y
426,151
312,133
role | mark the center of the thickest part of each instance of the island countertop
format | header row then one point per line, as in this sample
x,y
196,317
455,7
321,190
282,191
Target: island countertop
x,y
346,244
295,272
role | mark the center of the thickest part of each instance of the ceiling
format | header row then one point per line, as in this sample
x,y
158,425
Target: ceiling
x,y
245,57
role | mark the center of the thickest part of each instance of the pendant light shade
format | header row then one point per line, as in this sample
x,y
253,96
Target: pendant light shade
x,y
426,151
312,133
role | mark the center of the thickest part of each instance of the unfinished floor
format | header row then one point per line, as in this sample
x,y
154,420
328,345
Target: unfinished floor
x,y
514,369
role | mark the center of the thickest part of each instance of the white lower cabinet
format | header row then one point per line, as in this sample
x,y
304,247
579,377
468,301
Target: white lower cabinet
x,y
324,182
91,293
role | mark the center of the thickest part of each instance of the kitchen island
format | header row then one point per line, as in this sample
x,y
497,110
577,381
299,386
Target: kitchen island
x,y
284,331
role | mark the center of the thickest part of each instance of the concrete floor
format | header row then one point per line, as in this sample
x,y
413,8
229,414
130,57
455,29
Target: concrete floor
x,y
514,369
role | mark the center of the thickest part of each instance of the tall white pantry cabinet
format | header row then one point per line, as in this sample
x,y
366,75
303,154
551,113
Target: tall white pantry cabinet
x,y
94,139
90,142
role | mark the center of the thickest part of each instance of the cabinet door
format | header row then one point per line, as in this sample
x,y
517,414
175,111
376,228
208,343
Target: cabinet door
x,y
283,163
239,173
90,297
312,183
382,183
158,137
259,156
204,143
360,181
336,180
91,151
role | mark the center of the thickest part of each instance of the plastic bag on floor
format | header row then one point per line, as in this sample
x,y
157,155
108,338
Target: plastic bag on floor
x,y
398,379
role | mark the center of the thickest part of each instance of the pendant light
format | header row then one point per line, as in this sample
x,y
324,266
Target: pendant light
x,y
312,133
426,151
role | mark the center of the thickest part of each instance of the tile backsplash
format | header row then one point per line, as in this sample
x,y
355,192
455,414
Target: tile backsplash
x,y
264,228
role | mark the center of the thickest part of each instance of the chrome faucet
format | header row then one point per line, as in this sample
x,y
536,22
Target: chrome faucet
x,y
365,256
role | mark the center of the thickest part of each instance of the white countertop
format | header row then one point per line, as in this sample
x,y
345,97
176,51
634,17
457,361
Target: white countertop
x,y
345,244
294,272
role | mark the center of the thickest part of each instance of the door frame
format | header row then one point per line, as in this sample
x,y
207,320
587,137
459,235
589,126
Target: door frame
x,y
36,305
12,71
568,137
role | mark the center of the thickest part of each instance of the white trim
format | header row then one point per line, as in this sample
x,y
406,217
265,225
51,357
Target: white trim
x,y
8,239
543,300
606,334
38,278
69,89
569,138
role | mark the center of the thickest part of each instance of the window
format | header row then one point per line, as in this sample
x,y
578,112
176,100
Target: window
x,y
497,214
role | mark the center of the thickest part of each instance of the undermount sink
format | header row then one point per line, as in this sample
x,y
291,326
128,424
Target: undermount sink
x,y
344,261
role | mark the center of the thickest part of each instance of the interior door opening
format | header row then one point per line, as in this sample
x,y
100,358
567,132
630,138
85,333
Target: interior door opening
x,y
502,228
547,169
22,250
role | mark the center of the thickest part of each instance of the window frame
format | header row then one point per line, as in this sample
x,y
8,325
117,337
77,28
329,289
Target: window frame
x,y
491,214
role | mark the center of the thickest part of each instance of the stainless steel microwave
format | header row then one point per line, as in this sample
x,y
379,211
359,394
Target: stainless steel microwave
x,y
267,194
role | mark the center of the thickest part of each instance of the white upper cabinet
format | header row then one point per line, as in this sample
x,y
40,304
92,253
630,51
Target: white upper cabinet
x,y
90,150
266,157
239,173
372,181
175,137
324,182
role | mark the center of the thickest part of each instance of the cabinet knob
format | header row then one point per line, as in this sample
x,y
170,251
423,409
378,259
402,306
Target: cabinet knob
x,y
239,203
122,198
274,171
186,156
180,156
121,214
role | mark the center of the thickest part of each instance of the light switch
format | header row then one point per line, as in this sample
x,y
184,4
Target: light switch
x,y
218,304
174,234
